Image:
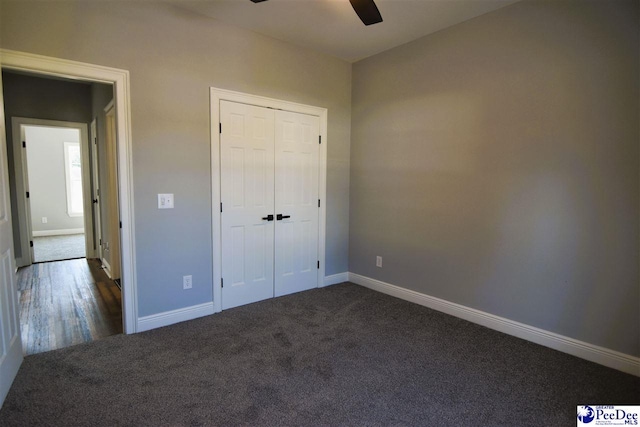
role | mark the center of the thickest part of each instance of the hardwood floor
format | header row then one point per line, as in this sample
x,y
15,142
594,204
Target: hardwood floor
x,y
64,303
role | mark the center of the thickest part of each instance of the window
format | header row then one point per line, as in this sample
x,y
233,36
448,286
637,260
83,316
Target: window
x,y
73,175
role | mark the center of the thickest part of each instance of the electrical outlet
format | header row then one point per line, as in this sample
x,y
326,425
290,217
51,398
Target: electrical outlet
x,y
379,261
44,219
187,282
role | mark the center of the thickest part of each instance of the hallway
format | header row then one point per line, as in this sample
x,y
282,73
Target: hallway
x,y
58,248
65,303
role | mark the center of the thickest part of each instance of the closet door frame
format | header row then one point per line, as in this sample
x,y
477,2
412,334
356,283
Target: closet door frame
x,y
217,95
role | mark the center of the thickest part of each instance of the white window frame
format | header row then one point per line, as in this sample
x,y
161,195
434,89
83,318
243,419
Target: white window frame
x,y
67,178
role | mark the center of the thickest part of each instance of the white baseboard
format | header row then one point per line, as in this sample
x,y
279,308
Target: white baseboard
x,y
167,318
107,267
58,232
603,356
335,279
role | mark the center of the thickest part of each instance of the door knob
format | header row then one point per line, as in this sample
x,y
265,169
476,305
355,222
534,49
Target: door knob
x,y
281,217
268,218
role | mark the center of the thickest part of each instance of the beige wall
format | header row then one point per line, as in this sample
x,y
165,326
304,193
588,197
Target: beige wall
x,y
174,57
495,164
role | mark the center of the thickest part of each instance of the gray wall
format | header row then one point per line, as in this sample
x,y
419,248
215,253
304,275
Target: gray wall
x,y
495,164
36,98
174,57
47,178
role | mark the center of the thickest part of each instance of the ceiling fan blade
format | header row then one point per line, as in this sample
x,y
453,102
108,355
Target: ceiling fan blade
x,y
367,11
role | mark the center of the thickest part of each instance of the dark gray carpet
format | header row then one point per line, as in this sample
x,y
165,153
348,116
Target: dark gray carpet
x,y
342,355
56,248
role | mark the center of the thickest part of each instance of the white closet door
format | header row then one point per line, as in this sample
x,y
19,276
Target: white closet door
x,y
247,186
296,199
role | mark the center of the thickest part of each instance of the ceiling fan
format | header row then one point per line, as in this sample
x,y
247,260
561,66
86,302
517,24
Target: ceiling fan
x,y
366,9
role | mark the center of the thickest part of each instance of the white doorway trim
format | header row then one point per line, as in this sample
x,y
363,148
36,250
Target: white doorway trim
x,y
22,183
218,95
120,79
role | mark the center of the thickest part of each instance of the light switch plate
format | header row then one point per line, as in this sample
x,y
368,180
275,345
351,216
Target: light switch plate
x,y
165,201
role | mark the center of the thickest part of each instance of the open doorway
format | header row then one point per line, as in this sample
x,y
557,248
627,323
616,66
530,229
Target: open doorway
x,y
55,184
68,292
118,80
53,168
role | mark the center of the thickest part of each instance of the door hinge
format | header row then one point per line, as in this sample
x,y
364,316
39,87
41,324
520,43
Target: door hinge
x,y
220,127
221,282
220,207
120,224
100,242
318,265
31,243
319,139
24,144
318,202
27,194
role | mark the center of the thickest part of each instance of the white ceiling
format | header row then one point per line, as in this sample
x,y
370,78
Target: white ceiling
x,y
332,26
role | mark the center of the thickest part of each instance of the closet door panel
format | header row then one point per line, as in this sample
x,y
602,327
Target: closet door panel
x,y
247,194
296,199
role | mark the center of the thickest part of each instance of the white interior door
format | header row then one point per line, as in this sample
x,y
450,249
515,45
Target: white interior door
x,y
10,342
247,195
95,190
26,224
296,202
113,202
